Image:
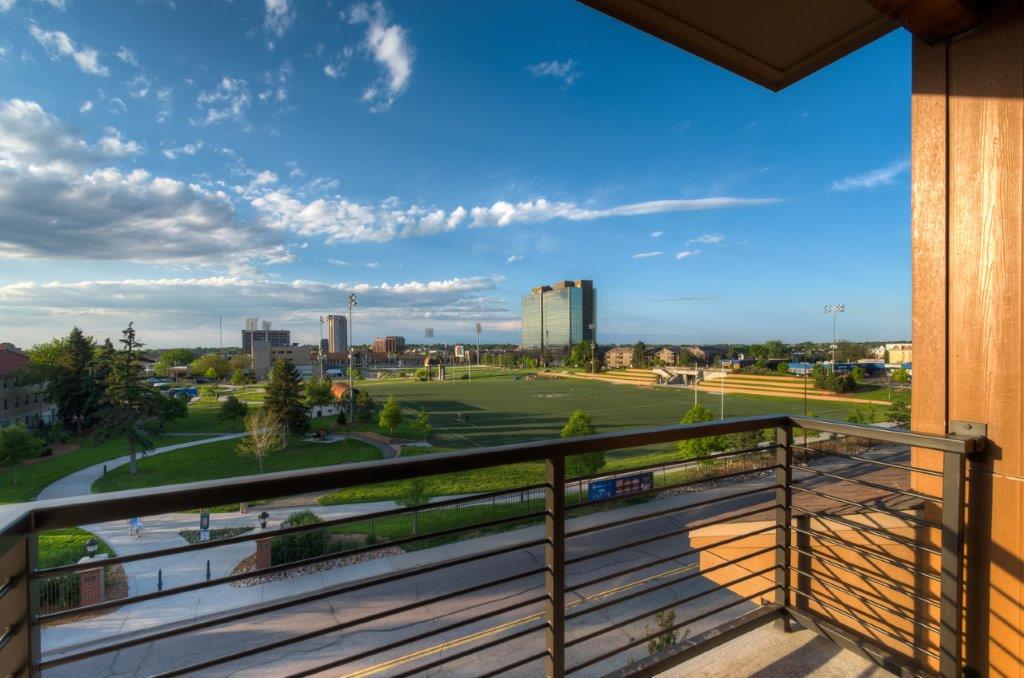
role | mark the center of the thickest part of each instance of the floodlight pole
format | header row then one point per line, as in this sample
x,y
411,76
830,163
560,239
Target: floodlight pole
x,y
351,363
834,310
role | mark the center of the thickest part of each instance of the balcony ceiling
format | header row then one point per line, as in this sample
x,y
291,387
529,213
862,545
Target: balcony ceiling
x,y
773,43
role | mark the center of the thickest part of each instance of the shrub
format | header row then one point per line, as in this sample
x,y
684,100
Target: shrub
x,y
422,374
783,368
300,545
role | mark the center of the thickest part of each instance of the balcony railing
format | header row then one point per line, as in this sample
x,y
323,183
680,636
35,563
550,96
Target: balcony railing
x,y
842,529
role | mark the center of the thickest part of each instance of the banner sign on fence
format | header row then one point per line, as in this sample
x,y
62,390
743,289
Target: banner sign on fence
x,y
621,486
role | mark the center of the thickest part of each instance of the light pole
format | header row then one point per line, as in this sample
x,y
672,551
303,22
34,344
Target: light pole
x,y
351,363
723,389
320,348
834,310
593,350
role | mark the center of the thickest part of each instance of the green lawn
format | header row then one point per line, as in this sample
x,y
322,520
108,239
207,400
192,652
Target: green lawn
x,y
221,460
204,417
24,483
66,546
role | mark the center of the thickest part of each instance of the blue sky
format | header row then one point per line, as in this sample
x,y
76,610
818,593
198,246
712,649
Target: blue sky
x,y
172,162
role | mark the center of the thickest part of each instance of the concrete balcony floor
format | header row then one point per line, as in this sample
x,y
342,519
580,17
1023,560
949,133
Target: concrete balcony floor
x,y
768,652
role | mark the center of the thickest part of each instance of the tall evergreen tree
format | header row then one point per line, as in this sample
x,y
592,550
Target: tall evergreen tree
x,y
130,407
62,366
284,397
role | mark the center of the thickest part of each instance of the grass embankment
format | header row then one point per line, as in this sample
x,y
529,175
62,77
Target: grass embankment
x,y
66,546
221,460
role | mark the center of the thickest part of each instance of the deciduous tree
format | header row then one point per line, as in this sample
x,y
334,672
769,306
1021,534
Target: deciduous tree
x,y
232,408
581,424
390,415
697,447
264,436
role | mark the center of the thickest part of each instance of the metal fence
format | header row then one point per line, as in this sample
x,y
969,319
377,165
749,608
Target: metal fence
x,y
814,528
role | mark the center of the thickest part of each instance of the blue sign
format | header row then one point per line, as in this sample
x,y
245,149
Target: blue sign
x,y
621,486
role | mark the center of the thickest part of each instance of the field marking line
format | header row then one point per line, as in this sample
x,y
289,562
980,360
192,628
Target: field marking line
x,y
456,642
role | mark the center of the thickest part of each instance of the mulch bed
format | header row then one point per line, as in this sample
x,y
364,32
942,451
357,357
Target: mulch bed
x,y
249,564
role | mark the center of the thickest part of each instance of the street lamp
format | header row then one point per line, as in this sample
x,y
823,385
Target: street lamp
x,y
834,310
263,518
92,546
593,351
351,362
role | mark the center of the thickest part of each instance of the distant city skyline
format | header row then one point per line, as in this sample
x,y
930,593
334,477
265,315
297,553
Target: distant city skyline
x,y
174,163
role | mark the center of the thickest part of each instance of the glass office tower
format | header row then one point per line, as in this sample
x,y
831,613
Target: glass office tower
x,y
557,316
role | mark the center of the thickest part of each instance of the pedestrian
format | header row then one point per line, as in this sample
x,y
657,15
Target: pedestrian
x,y
136,526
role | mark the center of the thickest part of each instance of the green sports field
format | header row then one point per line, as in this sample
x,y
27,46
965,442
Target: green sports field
x,y
504,411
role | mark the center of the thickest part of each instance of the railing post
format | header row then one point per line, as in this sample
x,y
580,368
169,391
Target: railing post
x,y
783,514
951,597
18,650
554,560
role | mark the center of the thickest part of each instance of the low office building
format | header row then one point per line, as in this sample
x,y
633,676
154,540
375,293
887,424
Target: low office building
x,y
264,356
21,403
668,355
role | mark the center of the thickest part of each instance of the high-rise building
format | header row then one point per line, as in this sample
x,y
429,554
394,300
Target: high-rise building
x,y
337,334
559,315
276,338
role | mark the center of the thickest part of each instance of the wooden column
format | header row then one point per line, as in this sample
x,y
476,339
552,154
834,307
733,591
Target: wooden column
x,y
968,192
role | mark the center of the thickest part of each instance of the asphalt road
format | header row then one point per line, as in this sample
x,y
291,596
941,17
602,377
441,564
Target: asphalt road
x,y
487,610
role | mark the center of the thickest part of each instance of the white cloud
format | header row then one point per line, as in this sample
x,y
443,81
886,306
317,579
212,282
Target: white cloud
x,y
342,220
504,213
883,176
229,100
138,87
58,44
687,253
337,262
187,149
114,146
277,90
85,107
657,234
61,198
372,264
117,106
707,239
332,71
647,255
165,309
389,46
7,5
513,259
163,95
279,17
127,56
560,70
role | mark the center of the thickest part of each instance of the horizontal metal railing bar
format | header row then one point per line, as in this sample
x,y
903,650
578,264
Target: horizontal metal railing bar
x,y
473,650
57,513
670,582
681,461
867,483
280,532
667,511
665,535
639,641
666,559
8,633
286,603
874,509
378,649
869,600
7,586
505,668
898,588
673,486
359,621
956,444
281,567
865,460
903,641
676,603
870,530
867,553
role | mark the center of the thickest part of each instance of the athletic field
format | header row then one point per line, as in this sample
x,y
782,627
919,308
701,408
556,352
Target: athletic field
x,y
501,411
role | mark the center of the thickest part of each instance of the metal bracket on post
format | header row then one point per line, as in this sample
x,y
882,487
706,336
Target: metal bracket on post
x,y
783,515
554,560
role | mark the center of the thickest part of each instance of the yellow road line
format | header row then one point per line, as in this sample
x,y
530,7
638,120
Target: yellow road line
x,y
456,642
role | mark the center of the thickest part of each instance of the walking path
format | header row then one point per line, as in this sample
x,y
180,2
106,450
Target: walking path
x,y
80,482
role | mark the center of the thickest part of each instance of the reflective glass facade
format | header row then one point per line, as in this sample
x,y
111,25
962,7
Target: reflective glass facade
x,y
558,316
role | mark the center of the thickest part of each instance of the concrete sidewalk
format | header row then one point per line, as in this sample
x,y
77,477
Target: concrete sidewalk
x,y
80,482
218,599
